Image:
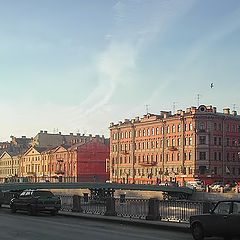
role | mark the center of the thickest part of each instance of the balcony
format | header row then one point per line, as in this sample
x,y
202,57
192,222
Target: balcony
x,y
58,172
172,148
124,152
59,160
147,164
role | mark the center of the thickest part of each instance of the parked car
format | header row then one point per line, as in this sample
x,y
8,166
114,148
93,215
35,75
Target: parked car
x,y
222,221
168,183
34,201
216,186
198,185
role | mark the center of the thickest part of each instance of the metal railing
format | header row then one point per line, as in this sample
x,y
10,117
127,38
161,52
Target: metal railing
x,y
179,211
175,211
132,208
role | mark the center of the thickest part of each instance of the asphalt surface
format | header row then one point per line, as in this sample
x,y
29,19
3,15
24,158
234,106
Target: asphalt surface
x,y
21,226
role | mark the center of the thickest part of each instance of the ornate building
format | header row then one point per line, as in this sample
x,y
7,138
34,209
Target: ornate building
x,y
199,143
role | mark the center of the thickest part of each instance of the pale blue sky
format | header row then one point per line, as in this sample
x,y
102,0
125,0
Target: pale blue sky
x,y
78,65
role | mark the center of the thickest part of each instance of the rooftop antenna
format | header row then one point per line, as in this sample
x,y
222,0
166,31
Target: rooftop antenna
x,y
174,107
198,100
234,107
147,108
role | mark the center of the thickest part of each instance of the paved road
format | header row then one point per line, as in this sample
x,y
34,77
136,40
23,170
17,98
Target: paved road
x,y
20,226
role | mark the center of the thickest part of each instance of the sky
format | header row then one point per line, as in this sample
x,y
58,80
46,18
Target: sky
x,y
75,66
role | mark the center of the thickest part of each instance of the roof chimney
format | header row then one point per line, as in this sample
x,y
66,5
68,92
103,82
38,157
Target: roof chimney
x,y
226,111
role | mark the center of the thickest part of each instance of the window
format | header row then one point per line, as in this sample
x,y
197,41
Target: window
x,y
202,155
233,128
219,156
233,157
173,159
157,144
168,129
215,126
122,135
220,141
185,127
215,156
157,131
220,127
185,156
202,169
185,141
190,141
190,127
168,143
144,132
202,140
236,208
173,142
179,128
149,132
173,129
179,142
215,170
215,141
201,126
153,131
167,157
153,144
126,134
222,208
162,130
227,141
139,133
190,156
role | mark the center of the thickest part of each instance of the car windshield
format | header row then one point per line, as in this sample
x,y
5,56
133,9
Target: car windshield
x,y
43,194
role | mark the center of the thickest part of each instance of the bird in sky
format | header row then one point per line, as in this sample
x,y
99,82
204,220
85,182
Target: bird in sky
x,y
211,85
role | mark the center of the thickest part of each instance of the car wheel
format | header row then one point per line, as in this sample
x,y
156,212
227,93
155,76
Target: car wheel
x,y
31,211
13,209
197,231
54,212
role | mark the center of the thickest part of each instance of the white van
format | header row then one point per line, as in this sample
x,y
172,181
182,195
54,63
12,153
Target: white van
x,y
195,184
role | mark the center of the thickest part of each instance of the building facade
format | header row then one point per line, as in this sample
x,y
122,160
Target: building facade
x,y
9,166
199,143
81,162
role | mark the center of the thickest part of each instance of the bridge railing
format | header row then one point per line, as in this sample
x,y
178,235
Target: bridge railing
x,y
175,211
132,208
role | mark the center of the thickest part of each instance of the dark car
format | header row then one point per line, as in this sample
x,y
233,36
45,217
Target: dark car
x,y
34,201
222,221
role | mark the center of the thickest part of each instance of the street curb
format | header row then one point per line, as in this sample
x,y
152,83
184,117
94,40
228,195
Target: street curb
x,y
170,226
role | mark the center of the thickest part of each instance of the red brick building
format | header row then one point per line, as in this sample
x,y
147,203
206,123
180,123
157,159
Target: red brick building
x,y
199,143
82,162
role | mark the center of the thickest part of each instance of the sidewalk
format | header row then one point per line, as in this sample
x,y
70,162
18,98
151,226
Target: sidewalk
x,y
170,226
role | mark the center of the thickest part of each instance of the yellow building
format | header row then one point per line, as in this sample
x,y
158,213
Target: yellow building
x,y
9,166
